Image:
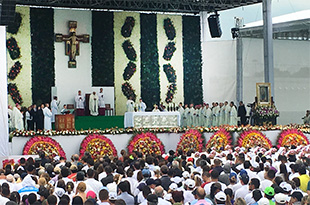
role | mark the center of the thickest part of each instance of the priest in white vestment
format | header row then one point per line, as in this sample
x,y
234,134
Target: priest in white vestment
x,y
185,115
101,99
156,109
54,107
130,105
47,117
222,114
208,116
181,111
233,114
18,122
216,114
79,100
141,106
227,113
190,115
93,104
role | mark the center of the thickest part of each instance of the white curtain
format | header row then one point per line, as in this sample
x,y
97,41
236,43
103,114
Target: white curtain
x,y
4,151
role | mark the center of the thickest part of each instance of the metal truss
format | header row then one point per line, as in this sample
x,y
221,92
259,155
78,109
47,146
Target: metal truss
x,y
182,6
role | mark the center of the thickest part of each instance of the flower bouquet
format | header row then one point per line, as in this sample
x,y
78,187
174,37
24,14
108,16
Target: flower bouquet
x,y
253,138
129,50
170,93
48,145
265,112
146,143
129,70
128,26
290,137
191,140
15,70
97,145
128,91
13,48
169,50
170,73
14,93
169,29
219,140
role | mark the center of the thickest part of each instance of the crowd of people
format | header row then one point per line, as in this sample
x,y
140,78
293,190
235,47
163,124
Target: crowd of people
x,y
236,176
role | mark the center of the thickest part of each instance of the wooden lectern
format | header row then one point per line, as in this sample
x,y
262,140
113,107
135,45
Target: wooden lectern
x,y
64,122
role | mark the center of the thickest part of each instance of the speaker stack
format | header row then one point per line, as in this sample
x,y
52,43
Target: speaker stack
x,y
7,12
214,26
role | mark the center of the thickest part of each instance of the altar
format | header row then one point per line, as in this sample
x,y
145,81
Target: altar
x,y
152,119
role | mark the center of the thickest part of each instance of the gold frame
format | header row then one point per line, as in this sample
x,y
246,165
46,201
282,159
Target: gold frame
x,y
263,89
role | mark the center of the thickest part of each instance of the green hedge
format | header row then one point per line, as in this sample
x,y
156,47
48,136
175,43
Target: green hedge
x,y
150,88
42,49
192,60
102,48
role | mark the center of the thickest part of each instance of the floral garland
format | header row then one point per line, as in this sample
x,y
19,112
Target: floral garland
x,y
219,140
191,140
146,143
265,112
170,93
129,50
290,137
170,73
15,70
49,146
97,145
13,48
14,27
128,26
116,130
169,29
253,138
129,70
14,93
128,91
169,50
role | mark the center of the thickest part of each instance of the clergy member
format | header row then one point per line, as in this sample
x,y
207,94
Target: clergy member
x,y
18,121
130,105
156,109
222,114
181,111
227,113
54,107
10,117
141,106
93,104
101,102
233,114
191,115
208,116
79,103
47,117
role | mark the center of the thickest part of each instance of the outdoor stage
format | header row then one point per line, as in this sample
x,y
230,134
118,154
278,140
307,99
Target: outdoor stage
x,y
71,143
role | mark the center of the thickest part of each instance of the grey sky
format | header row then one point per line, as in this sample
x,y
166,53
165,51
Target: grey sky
x,y
254,13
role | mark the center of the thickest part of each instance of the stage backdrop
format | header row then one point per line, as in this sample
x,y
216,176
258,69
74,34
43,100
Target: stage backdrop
x,y
129,54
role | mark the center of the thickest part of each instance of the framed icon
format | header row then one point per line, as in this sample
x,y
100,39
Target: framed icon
x,y
263,93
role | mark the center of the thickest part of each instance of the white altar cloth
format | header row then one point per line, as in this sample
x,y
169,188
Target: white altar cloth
x,y
152,119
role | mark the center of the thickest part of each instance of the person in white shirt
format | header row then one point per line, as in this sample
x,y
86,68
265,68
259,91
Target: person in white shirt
x,y
130,105
253,185
155,109
267,182
214,178
91,183
18,122
93,104
243,190
159,192
141,106
101,99
47,117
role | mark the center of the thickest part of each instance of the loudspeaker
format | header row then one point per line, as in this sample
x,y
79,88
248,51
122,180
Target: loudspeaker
x,y
214,26
7,12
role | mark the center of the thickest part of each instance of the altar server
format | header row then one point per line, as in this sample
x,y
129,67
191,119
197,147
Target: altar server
x,y
233,114
18,122
93,104
130,105
54,107
141,106
47,117
101,99
79,100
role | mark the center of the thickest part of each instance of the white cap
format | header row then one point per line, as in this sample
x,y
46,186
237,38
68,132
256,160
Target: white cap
x,y
173,186
263,201
221,196
177,179
190,183
286,186
280,198
112,195
185,175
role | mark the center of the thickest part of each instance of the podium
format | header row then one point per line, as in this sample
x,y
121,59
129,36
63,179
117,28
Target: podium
x,y
64,122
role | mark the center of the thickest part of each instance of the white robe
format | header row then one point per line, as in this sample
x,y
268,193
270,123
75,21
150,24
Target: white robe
x,y
208,117
101,100
18,122
222,116
93,104
130,106
227,114
216,116
79,101
191,117
10,115
185,117
141,107
233,116
54,107
181,111
47,118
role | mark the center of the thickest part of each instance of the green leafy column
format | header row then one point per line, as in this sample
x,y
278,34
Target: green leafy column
x,y
42,48
150,88
192,60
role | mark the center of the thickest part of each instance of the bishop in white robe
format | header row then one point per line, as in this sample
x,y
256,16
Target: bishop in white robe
x,y
181,111
208,116
18,122
227,113
47,117
93,104
233,115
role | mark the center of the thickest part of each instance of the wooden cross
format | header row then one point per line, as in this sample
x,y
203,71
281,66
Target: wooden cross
x,y
72,42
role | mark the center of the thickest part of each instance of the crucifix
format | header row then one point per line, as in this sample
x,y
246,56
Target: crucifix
x,y
72,42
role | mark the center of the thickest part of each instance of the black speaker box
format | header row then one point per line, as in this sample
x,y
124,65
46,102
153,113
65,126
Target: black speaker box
x,y
7,12
214,26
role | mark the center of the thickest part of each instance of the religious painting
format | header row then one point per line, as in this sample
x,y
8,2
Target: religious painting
x,y
263,93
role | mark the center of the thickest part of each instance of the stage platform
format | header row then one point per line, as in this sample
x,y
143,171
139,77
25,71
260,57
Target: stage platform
x,y
71,143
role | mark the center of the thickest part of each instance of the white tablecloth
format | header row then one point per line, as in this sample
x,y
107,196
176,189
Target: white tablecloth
x,y
152,119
